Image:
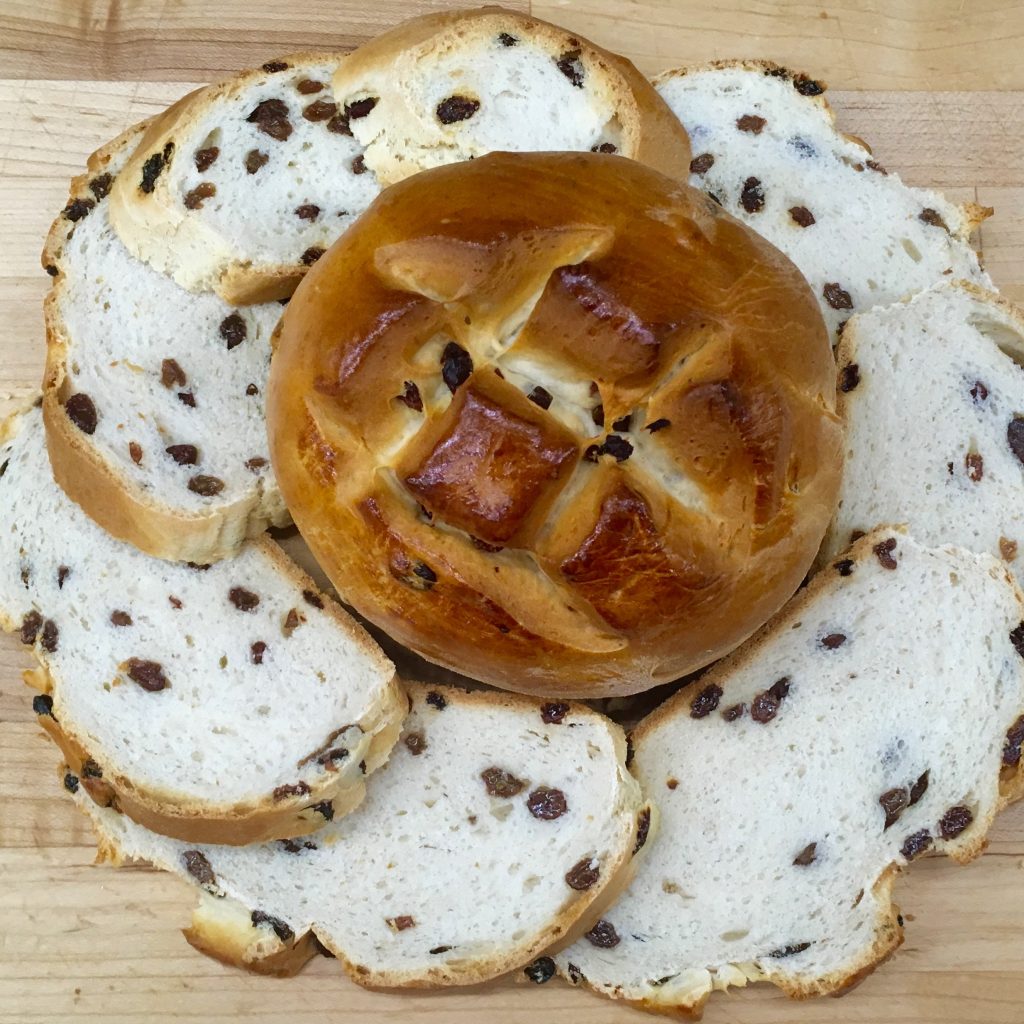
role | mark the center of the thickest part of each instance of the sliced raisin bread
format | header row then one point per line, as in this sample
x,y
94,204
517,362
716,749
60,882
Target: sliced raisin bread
x,y
240,186
227,703
877,718
498,823
153,396
932,394
459,84
766,147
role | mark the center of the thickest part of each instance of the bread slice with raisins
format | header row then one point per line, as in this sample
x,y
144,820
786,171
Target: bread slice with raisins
x,y
239,187
800,776
455,85
227,703
498,825
947,458
766,147
153,396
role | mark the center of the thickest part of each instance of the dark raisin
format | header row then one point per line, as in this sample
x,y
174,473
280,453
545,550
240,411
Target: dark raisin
x,y
401,923
883,552
575,974
456,108
254,160
591,453
330,758
833,640
849,377
251,389
806,855
294,789
71,782
837,296
175,602
63,572
52,270
42,704
916,844
876,167
507,40
456,366
752,195
978,391
273,66
360,108
311,597
792,950
702,164
643,828
547,804
255,464
205,158
1014,739
233,330
30,626
77,209
618,447
918,789
244,600
206,486
623,423
308,211
765,706
183,454
597,415
281,930
199,867
325,809
153,167
541,970
540,396
311,255
436,700
100,185
658,425
583,875
894,802
501,783
271,117
148,674
554,713
954,821
50,637
605,147
706,701
844,567
416,743
751,123
603,935
256,652
807,86
411,396
932,217
1015,436
171,374
975,465
339,125
292,621
82,412
439,949
308,86
734,712
1017,638
801,216
672,783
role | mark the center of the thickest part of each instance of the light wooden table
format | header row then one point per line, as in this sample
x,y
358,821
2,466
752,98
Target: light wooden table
x,y
87,943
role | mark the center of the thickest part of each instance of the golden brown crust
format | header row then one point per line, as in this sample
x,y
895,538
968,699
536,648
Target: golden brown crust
x,y
568,572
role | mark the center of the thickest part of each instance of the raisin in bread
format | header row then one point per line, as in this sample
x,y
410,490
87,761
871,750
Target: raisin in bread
x,y
153,396
932,394
239,186
766,147
498,823
226,703
799,776
459,84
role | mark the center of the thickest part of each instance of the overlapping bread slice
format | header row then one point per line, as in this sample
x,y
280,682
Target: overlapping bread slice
x,y
227,703
499,823
153,396
239,187
878,718
766,147
932,395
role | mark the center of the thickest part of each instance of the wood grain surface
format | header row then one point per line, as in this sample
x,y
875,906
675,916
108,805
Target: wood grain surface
x,y
927,84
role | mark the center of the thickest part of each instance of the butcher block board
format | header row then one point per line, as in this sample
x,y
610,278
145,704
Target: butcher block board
x,y
934,86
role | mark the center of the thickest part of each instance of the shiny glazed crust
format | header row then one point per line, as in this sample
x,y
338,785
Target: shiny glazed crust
x,y
516,540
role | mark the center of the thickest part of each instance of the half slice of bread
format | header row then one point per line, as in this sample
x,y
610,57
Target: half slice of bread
x,y
878,718
766,147
498,825
460,84
153,396
932,394
240,186
225,703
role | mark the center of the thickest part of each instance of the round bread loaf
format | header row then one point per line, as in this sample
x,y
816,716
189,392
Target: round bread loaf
x,y
557,422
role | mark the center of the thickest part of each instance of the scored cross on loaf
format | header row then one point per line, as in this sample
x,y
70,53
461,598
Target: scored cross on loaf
x,y
566,403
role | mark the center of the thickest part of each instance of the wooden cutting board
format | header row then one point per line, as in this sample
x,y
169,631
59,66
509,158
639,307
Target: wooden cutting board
x,y
87,943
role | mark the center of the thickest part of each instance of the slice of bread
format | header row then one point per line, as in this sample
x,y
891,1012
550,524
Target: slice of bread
x,y
932,394
878,717
240,186
228,703
153,396
460,84
766,147
499,823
